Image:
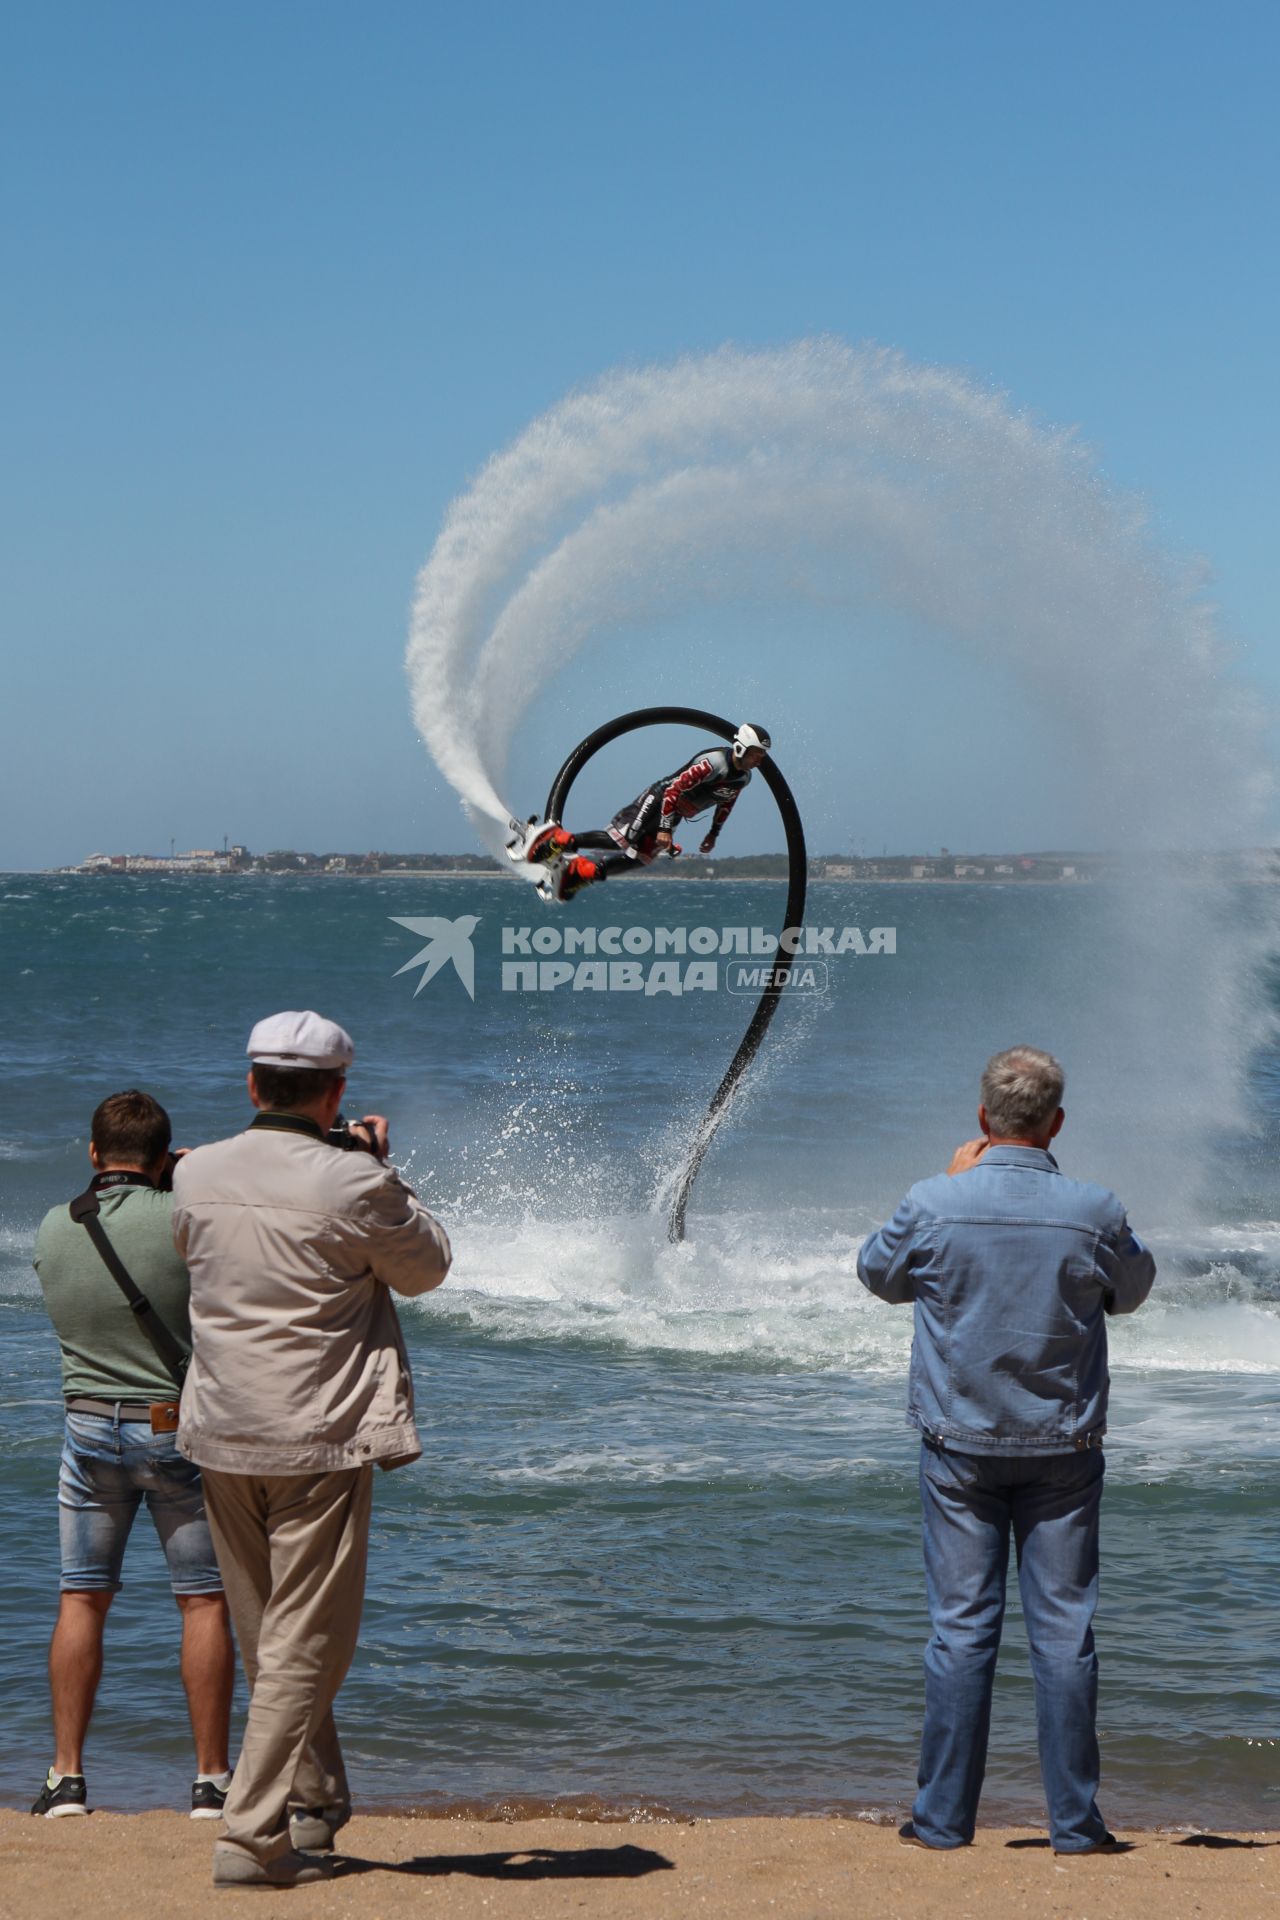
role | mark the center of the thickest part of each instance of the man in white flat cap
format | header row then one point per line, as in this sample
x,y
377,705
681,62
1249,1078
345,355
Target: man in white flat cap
x,y
299,1383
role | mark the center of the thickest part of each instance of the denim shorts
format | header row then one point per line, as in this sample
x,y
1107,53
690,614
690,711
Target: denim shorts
x,y
109,1466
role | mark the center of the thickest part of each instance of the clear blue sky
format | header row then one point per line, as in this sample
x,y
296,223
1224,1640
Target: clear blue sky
x,y
280,277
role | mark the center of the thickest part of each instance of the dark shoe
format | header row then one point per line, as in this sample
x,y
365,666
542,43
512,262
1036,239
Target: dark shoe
x,y
208,1798
312,1829
61,1794
1107,1844
910,1838
232,1867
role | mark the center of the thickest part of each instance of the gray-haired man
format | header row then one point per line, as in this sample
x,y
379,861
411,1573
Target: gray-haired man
x,y
1013,1269
298,1385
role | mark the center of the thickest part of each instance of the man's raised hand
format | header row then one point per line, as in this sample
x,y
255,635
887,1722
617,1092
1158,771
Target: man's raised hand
x,y
968,1155
373,1128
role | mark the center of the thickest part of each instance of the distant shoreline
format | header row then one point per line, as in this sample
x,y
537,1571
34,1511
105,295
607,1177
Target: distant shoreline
x,y
1138,874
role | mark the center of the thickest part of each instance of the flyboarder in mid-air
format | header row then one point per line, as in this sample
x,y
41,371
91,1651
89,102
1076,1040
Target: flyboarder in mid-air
x,y
640,832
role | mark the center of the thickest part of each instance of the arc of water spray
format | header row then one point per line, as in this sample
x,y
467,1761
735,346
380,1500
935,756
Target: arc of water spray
x,y
873,481
876,485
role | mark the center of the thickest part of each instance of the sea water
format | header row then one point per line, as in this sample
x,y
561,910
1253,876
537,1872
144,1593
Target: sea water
x,y
662,1547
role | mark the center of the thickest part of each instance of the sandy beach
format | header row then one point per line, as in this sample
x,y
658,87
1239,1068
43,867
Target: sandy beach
x,y
145,1866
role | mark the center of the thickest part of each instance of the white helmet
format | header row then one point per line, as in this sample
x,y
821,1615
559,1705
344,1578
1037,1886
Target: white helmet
x,y
748,737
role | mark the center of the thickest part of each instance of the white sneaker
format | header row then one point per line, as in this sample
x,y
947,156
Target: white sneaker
x,y
233,1867
312,1829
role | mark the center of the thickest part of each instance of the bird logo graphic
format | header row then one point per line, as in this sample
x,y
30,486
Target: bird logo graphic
x,y
446,940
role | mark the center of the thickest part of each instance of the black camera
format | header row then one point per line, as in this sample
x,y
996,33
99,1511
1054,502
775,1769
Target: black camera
x,y
341,1135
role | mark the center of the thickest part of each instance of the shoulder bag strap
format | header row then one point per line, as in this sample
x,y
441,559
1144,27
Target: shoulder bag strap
x,y
84,1209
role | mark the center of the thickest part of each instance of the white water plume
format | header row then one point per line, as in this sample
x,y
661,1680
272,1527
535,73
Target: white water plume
x,y
763,1291
856,476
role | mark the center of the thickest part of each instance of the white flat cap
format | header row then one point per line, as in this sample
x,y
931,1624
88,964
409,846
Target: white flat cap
x,y
300,1040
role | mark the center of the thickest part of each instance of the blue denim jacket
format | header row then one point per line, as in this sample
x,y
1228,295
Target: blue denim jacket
x,y
1012,1268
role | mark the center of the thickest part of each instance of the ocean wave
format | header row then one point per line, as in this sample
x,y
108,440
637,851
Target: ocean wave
x,y
1219,1336
742,1293
651,1466
25,1150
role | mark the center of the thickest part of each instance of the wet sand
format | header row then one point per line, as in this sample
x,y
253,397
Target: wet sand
x,y
153,1866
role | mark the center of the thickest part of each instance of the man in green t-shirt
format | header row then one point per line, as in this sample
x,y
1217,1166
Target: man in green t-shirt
x,y
119,1449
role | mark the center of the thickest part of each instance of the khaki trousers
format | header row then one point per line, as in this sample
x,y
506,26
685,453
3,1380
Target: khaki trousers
x,y
292,1551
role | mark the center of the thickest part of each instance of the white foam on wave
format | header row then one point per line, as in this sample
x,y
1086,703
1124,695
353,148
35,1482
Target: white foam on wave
x,y
1251,1237
1235,1336
655,1464
619,1283
18,1278
740,1292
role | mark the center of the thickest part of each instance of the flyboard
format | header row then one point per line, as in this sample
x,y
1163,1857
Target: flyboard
x,y
526,838
538,855
542,850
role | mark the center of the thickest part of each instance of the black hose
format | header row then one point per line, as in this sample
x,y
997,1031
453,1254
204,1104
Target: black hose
x,y
780,967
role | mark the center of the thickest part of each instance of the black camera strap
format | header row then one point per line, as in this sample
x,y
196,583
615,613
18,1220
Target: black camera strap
x,y
84,1209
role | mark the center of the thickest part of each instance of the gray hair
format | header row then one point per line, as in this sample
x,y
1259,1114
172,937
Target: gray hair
x,y
1021,1091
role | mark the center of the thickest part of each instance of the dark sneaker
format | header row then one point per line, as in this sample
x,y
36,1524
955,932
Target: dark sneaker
x,y
233,1867
1107,1844
61,1793
312,1829
910,1838
209,1796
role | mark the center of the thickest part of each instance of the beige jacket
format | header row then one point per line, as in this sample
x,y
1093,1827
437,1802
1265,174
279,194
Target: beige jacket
x,y
298,1360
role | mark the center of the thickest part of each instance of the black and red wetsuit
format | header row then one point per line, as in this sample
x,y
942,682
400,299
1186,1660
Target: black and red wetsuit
x,y
709,779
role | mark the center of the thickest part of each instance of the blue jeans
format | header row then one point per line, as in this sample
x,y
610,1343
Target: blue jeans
x,y
108,1468
971,1503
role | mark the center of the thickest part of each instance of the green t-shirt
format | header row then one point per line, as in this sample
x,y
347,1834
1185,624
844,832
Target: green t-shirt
x,y
105,1353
